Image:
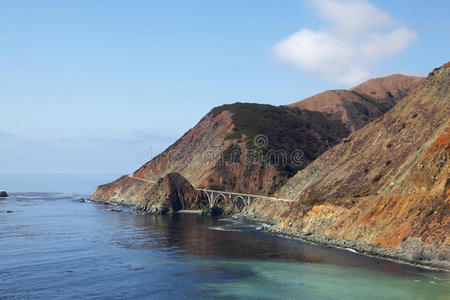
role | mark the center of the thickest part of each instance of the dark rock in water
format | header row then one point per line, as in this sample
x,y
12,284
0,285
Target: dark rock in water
x,y
212,211
207,212
3,194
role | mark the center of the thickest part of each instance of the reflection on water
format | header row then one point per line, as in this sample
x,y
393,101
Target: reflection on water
x,y
52,245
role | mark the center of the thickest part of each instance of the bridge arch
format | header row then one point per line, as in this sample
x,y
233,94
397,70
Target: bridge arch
x,y
217,198
239,199
209,196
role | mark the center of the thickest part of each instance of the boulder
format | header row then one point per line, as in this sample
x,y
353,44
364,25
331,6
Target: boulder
x,y
3,194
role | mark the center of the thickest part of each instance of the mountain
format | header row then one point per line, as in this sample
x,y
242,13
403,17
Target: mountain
x,y
240,147
252,148
385,188
376,158
363,103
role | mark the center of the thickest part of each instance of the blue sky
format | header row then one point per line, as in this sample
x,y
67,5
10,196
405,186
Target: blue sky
x,y
102,86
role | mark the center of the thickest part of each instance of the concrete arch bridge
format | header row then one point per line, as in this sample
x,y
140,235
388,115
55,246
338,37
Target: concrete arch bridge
x,y
247,199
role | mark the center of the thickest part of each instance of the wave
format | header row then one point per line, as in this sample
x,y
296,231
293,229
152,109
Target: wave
x,y
223,228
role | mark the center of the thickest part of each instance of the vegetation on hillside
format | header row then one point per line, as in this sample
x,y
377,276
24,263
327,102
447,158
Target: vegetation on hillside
x,y
383,105
287,130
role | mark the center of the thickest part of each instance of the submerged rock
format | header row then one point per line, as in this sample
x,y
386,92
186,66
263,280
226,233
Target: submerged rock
x,y
3,194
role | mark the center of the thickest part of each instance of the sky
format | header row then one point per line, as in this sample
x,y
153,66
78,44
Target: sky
x,y
100,87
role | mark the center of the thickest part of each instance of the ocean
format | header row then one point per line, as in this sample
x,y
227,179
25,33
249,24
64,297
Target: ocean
x,y
54,246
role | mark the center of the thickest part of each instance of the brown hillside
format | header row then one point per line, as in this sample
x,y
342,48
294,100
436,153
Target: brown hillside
x,y
378,157
363,103
396,86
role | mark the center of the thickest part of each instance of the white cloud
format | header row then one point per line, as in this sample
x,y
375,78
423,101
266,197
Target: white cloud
x,y
356,34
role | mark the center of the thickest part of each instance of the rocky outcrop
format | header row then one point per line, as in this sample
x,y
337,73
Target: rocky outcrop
x,y
3,194
170,194
383,190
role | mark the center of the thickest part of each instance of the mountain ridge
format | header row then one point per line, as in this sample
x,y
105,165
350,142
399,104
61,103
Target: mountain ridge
x,y
359,105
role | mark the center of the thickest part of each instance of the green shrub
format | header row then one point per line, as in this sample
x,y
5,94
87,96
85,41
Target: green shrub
x,y
362,109
313,201
383,105
232,153
377,178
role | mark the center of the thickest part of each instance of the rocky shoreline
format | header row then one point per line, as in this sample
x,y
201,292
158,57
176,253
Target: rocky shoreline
x,y
271,227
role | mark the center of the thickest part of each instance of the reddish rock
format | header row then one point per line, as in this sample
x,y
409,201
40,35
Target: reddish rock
x,y
170,194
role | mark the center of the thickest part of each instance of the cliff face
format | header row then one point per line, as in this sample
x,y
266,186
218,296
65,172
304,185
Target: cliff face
x,y
385,188
170,193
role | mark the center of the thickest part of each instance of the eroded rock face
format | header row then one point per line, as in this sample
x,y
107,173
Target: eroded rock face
x,y
170,194
3,194
412,228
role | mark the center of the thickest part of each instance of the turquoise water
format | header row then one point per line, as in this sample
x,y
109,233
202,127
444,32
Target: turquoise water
x,y
54,246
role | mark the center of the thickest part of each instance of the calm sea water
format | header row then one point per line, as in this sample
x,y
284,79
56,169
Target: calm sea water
x,y
52,246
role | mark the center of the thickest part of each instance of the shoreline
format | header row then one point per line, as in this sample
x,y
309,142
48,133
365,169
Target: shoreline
x,y
189,211
352,246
